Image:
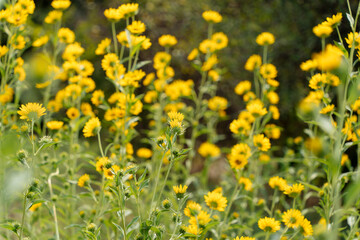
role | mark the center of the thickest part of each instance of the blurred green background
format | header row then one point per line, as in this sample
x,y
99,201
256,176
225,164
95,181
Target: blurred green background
x,y
291,21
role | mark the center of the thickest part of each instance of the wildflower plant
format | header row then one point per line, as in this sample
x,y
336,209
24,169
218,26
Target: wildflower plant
x,y
81,162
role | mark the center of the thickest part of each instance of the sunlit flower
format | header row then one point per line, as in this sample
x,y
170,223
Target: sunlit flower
x,y
84,179
55,125
265,38
269,224
180,190
216,201
212,16
31,111
92,127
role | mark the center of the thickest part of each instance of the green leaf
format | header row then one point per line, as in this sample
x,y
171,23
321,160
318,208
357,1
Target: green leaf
x,y
134,220
352,194
313,187
351,19
120,228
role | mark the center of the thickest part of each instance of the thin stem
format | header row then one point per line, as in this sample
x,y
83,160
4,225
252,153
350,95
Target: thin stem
x,y
273,202
156,181
166,177
23,218
54,206
233,197
100,145
114,38
340,38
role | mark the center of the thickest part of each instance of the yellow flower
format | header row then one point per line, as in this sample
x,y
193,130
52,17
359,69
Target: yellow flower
x,y
317,81
214,75
209,64
240,126
54,125
113,15
3,50
268,71
109,61
262,142
65,35
180,190
207,149
102,46
61,4
201,219
144,153
217,103
31,111
265,38
220,40
150,96
207,46
243,87
193,229
334,21
176,119
192,209
244,238
167,40
83,180
20,73
264,158
254,61
256,108
269,224
97,97
306,227
40,41
246,182
72,113
294,190
327,109
292,218
329,59
239,155
351,38
273,97
216,201
136,27
53,16
277,183
193,54
18,42
34,207
275,112
86,109
148,79
322,30
308,65
92,127
73,51
110,173
129,9
212,16
344,159
272,131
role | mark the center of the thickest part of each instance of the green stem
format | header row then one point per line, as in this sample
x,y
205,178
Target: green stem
x,y
273,202
23,218
114,38
166,177
100,145
156,182
233,197
54,206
